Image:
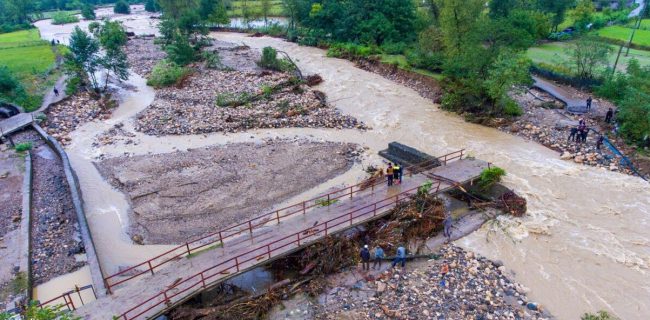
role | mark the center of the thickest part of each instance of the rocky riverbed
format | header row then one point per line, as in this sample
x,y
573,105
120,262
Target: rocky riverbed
x,y
182,195
57,248
457,284
64,117
235,96
546,122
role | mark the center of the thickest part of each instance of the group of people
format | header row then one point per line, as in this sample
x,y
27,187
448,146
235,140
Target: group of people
x,y
394,174
579,133
379,255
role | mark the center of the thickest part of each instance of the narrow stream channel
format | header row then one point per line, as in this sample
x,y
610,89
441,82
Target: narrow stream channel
x,y
585,245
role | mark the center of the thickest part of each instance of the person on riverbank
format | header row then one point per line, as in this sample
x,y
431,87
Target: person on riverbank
x,y
365,258
600,141
609,115
449,220
56,91
379,255
572,135
389,174
583,134
400,257
396,170
589,100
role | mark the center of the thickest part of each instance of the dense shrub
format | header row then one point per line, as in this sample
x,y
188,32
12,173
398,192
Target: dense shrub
x,y
270,61
273,29
490,176
431,61
22,147
181,51
8,82
394,47
151,6
351,51
88,11
167,73
212,60
64,18
122,7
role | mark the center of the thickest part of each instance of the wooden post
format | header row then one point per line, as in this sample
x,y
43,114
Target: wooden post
x,y
187,245
202,280
250,228
277,215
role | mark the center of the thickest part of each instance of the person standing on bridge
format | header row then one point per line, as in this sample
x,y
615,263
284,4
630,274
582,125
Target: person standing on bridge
x,y
396,170
365,258
589,100
400,257
389,174
379,255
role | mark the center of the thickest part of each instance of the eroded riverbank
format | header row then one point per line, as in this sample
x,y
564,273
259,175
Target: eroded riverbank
x,y
586,245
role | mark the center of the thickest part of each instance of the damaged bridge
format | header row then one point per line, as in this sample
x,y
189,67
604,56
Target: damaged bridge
x,y
156,285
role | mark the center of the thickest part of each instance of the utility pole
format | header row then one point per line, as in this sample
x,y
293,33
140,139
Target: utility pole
x,y
637,25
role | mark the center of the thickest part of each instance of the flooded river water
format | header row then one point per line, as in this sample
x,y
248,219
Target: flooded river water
x,y
584,246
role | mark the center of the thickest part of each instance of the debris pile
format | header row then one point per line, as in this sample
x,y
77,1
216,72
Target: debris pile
x,y
143,55
236,96
64,117
458,285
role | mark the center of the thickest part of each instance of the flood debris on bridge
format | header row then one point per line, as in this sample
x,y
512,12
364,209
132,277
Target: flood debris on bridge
x,y
320,271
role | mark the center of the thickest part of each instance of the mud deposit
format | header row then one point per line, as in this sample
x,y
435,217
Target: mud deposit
x,y
182,195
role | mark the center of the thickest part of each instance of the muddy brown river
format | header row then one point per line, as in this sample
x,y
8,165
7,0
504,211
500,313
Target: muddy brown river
x,y
585,245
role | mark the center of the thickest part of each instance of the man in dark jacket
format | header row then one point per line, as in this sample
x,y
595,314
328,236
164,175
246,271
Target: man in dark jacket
x,y
365,258
609,115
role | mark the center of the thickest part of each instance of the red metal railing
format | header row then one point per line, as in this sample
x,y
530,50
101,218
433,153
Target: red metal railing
x,y
217,238
243,261
68,298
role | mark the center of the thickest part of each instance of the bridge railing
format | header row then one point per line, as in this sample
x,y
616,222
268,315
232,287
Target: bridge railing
x,y
71,299
247,227
246,260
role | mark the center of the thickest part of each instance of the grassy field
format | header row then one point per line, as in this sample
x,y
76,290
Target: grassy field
x,y
401,62
32,61
49,14
642,37
255,6
555,53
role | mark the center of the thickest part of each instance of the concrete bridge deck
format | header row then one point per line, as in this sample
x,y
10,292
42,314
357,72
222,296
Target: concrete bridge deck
x,y
573,104
179,280
15,123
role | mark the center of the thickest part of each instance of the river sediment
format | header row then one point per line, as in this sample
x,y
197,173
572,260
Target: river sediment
x,y
184,195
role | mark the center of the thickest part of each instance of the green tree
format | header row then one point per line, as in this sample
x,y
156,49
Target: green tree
x,y
557,8
265,10
122,7
219,15
510,69
180,51
588,54
17,11
82,60
175,8
458,22
583,14
8,82
292,10
88,11
151,6
112,38
501,8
